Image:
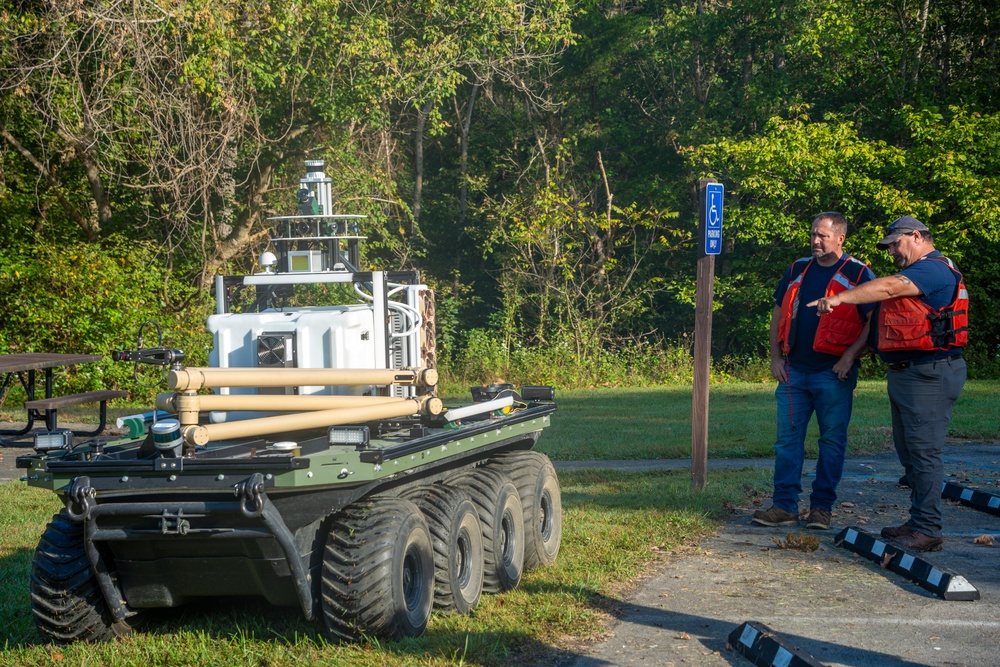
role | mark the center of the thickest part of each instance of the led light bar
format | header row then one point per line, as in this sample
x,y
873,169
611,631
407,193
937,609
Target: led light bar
x,y
46,441
349,435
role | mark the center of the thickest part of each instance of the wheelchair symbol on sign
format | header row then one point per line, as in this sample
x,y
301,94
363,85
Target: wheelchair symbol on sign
x,y
714,219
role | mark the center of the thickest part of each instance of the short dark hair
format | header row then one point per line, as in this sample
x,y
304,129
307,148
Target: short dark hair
x,y
837,220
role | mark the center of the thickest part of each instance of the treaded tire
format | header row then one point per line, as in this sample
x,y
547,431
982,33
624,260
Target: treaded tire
x,y
457,536
535,478
66,601
499,507
378,571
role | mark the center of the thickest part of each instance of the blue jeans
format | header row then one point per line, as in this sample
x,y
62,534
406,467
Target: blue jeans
x,y
804,393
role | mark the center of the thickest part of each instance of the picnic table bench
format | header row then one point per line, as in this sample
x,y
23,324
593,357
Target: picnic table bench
x,y
24,366
51,405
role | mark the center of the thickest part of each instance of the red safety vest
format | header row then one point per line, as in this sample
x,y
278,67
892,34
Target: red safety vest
x,y
837,330
907,323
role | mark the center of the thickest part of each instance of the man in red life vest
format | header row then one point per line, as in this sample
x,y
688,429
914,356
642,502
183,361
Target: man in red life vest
x,y
814,360
922,327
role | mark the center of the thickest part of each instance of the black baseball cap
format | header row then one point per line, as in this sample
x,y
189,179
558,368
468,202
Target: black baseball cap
x,y
900,227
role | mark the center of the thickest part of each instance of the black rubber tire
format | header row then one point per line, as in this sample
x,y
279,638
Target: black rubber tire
x,y
499,507
537,483
457,536
66,601
378,571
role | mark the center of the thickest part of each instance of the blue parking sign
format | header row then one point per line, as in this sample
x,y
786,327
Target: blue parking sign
x,y
713,218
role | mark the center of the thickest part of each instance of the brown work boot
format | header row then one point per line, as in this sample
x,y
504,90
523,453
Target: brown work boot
x,y
775,516
818,519
917,541
893,532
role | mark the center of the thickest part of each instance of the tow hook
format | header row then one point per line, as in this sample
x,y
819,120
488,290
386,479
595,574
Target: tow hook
x,y
250,492
81,494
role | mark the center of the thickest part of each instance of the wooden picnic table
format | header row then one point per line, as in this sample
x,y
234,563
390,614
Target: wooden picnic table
x,y
18,365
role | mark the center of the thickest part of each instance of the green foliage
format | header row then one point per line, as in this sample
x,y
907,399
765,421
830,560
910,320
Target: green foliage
x,y
187,115
558,147
571,273
954,160
91,299
483,359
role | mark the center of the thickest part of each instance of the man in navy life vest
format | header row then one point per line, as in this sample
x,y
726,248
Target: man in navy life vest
x,y
815,360
922,327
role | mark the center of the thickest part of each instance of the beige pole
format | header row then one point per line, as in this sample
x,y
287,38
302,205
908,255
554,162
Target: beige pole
x,y
203,434
269,403
195,378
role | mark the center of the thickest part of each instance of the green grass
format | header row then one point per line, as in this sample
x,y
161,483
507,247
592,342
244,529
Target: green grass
x,y
655,423
615,524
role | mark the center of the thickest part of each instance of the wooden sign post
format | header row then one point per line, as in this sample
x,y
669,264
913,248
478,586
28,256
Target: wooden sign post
x,y
710,196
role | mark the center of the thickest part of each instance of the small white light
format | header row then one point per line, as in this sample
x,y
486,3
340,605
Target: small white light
x,y
268,260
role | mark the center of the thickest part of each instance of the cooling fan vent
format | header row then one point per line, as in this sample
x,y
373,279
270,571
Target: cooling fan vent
x,y
274,351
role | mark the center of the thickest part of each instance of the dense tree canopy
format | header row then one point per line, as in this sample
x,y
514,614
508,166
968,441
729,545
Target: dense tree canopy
x,y
536,159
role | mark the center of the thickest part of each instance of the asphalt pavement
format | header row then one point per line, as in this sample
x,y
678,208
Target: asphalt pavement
x,y
840,608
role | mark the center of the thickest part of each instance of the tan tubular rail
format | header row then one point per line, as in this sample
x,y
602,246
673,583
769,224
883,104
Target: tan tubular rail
x,y
203,434
195,378
265,402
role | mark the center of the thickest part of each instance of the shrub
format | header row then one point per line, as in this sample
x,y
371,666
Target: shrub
x,y
91,299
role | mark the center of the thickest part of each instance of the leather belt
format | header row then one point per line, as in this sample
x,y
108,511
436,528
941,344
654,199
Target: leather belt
x,y
903,365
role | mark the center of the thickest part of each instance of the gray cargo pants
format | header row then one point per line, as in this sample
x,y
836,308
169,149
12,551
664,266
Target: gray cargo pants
x,y
922,398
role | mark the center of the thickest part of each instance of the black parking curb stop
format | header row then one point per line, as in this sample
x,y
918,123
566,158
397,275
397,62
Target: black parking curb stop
x,y
760,645
977,500
938,580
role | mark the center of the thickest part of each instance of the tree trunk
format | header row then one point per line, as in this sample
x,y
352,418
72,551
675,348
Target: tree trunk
x,y
418,167
464,129
86,223
464,159
243,234
915,72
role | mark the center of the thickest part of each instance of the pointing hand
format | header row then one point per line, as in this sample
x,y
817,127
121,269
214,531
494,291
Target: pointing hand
x,y
825,305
